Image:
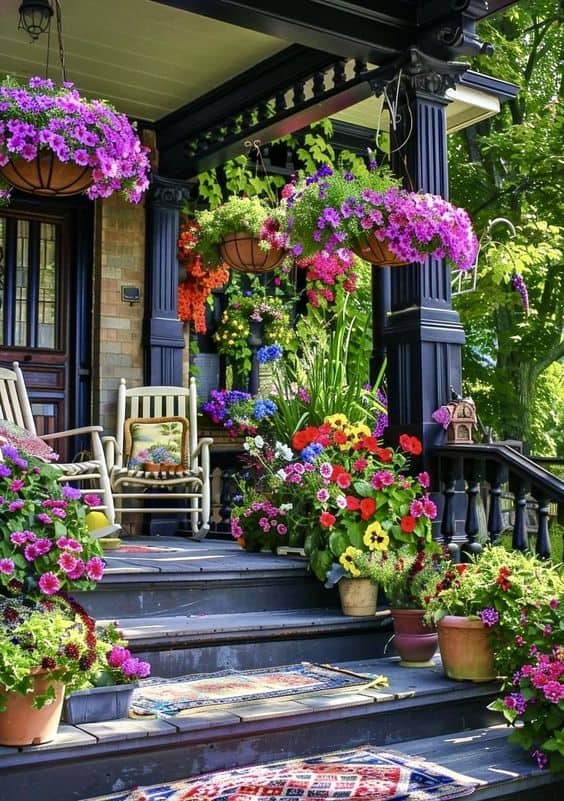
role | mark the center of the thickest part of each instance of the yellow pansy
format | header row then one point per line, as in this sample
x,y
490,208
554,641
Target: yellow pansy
x,y
375,538
336,420
347,560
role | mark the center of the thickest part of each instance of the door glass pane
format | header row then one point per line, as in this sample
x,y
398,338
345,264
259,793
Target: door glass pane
x,y
47,306
2,275
22,283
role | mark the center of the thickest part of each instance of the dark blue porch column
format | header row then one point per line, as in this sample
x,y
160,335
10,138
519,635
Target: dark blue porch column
x,y
164,340
422,334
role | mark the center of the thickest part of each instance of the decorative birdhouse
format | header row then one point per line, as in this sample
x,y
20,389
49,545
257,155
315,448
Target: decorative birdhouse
x,y
463,420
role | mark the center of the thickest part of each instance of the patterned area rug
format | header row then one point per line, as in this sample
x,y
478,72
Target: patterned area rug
x,y
360,774
166,697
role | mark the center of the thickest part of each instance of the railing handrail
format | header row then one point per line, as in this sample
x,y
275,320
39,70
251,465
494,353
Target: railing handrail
x,y
525,468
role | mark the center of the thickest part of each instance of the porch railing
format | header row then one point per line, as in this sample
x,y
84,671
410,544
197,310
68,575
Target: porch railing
x,y
494,466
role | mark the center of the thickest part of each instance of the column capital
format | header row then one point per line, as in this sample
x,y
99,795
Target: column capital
x,y
169,193
419,72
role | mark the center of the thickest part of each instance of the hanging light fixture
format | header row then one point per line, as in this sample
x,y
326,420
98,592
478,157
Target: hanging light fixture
x,y
35,17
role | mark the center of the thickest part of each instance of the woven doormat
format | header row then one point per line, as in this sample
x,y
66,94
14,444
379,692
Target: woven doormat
x,y
185,694
359,774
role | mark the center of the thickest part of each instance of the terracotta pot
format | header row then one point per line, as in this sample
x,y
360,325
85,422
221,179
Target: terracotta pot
x,y
162,467
371,249
22,724
243,253
358,596
465,649
46,175
414,642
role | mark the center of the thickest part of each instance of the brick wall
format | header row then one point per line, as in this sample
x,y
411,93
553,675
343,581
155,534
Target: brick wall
x,y
119,260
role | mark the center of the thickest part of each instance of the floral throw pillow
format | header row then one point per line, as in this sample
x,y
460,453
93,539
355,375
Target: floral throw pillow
x,y
156,440
27,442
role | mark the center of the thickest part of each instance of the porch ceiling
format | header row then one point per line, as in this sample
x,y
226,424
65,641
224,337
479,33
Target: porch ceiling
x,y
182,64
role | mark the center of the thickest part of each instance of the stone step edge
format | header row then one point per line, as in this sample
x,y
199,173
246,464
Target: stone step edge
x,y
242,625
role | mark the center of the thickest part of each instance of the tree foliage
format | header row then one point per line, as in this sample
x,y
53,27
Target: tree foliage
x,y
511,166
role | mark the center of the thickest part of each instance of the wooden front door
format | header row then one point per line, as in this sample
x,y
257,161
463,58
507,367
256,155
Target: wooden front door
x,y
42,321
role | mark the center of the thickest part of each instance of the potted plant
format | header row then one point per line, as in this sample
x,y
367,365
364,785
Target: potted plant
x,y
515,601
105,691
362,496
403,575
45,545
245,313
54,142
45,648
245,232
366,211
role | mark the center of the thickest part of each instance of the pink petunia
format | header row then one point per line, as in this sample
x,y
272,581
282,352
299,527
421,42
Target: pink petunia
x,y
95,568
7,566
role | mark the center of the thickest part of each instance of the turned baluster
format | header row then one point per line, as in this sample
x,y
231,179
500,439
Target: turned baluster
x,y
519,487
448,522
542,545
472,475
496,475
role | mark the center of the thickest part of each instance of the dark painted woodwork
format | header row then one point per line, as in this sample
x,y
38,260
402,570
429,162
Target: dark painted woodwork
x,y
473,471
542,543
449,472
164,338
496,475
423,334
520,488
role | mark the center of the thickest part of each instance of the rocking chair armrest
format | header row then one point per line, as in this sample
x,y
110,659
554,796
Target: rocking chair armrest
x,y
72,432
112,452
204,443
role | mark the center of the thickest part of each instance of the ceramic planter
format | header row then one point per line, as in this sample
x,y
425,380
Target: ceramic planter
x,y
98,703
359,596
243,253
414,642
22,724
465,649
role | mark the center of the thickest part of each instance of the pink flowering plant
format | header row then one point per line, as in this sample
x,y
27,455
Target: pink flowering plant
x,y
40,116
519,599
45,545
114,664
355,494
332,210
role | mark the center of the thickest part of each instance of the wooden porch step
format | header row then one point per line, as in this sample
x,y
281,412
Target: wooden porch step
x,y
97,758
175,576
181,644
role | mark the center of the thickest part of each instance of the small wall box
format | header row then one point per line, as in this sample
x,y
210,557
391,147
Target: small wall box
x,y
130,294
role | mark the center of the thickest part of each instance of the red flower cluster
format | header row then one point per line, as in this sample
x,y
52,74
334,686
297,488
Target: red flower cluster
x,y
194,290
504,573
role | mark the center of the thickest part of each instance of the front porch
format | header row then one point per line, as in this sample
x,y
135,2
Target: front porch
x,y
203,607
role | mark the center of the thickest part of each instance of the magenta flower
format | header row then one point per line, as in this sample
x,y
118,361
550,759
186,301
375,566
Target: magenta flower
x,y
67,562
95,568
92,500
117,656
7,566
49,584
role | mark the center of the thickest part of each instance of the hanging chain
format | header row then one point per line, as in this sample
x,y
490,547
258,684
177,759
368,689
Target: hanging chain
x,y
254,145
60,40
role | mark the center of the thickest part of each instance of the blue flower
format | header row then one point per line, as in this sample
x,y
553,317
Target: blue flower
x,y
269,353
311,452
264,408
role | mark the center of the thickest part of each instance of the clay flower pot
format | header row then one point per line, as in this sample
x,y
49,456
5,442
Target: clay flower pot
x,y
465,649
22,724
359,596
415,642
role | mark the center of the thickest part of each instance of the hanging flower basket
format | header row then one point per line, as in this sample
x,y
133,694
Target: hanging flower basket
x,y
46,175
243,253
54,142
376,252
